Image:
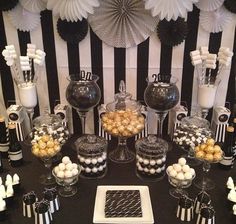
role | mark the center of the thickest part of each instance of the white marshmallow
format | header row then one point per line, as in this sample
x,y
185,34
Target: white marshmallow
x,y
75,172
16,179
60,174
177,167
188,176
68,174
182,161
69,166
230,183
66,160
180,176
41,53
62,166
173,173
9,177
186,168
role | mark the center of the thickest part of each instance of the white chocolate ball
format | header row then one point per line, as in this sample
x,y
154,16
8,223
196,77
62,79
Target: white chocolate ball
x,y
100,168
159,161
185,168
56,169
173,173
140,168
163,159
192,171
75,172
152,162
94,170
169,169
62,166
146,161
60,174
180,176
94,161
87,161
75,166
68,174
87,170
152,171
66,160
69,166
100,159
182,161
104,156
163,168
82,159
177,167
188,176
146,170
140,159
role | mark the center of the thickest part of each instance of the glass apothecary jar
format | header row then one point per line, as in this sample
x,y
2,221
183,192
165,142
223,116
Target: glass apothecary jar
x,y
151,158
92,156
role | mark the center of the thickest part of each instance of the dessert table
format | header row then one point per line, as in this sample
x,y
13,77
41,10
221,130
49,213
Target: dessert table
x,y
79,208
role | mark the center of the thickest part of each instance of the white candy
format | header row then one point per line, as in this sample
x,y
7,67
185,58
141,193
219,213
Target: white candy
x,y
173,173
177,167
60,174
152,171
2,204
186,168
8,182
87,170
94,161
66,160
87,161
75,166
75,172
100,159
212,62
146,161
169,169
104,156
62,166
6,53
180,176
94,170
159,161
223,49
56,169
211,56
10,191
146,170
140,168
2,191
25,68
192,171
31,46
196,57
182,161
163,159
163,168
82,159
68,174
188,176
140,159
152,162
9,177
10,47
100,168
69,166
204,49
40,53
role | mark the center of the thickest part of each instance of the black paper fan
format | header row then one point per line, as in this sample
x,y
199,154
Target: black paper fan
x,y
6,5
172,33
230,5
72,32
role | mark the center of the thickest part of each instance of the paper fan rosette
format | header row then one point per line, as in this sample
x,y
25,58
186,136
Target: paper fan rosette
x,y
215,21
172,33
209,5
169,9
6,5
72,10
72,32
24,20
35,6
230,5
122,23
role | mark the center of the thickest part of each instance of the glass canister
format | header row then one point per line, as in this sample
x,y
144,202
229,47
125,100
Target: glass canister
x,y
92,156
151,158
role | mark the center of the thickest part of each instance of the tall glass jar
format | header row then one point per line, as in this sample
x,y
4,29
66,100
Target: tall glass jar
x,y
151,158
92,156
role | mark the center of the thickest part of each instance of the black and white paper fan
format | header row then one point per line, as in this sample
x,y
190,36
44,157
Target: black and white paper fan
x,y
169,9
35,6
230,5
72,32
72,10
122,23
6,5
172,33
209,5
215,21
24,20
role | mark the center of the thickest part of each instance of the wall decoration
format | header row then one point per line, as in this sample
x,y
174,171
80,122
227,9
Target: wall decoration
x,y
35,6
6,5
209,5
122,23
72,10
24,20
161,8
172,33
230,5
72,32
215,21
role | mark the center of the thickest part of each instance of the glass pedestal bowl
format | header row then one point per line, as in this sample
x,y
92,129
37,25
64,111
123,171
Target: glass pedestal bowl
x,y
67,184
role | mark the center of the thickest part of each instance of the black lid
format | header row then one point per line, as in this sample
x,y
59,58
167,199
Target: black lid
x,y
207,212
50,193
185,202
29,198
203,197
42,206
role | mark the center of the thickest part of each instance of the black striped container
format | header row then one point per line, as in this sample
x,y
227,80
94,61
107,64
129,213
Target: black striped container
x,y
206,215
50,194
42,212
185,209
29,200
201,199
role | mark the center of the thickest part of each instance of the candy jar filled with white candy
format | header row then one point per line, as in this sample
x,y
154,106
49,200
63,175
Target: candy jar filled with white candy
x,y
66,175
151,158
180,175
192,132
123,120
92,156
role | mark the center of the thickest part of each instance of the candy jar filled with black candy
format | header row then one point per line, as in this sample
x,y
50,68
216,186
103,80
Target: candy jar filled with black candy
x,y
192,132
123,119
151,158
92,156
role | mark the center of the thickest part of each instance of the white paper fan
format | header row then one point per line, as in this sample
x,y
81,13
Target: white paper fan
x,y
24,20
72,10
215,21
122,23
169,9
33,5
209,5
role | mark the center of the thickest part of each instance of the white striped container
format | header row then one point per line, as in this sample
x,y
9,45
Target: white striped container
x,y
42,213
29,200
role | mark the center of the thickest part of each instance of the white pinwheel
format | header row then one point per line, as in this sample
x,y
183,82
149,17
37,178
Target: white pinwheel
x,y
209,5
33,5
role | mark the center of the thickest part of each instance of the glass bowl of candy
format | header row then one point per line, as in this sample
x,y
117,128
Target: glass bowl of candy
x,y
151,158
66,175
123,119
92,156
180,175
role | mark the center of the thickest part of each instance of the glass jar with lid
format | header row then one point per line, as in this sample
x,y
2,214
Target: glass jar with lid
x,y
123,120
151,158
92,155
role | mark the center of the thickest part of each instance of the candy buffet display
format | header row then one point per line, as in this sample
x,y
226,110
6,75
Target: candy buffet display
x,y
25,70
123,120
180,175
66,175
151,158
161,95
92,156
83,94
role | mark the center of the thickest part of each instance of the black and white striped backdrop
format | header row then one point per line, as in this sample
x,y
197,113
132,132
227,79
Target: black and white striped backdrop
x,y
112,64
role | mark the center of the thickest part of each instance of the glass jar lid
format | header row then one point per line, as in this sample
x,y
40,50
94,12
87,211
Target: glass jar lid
x,y
123,100
152,145
90,144
195,121
47,120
